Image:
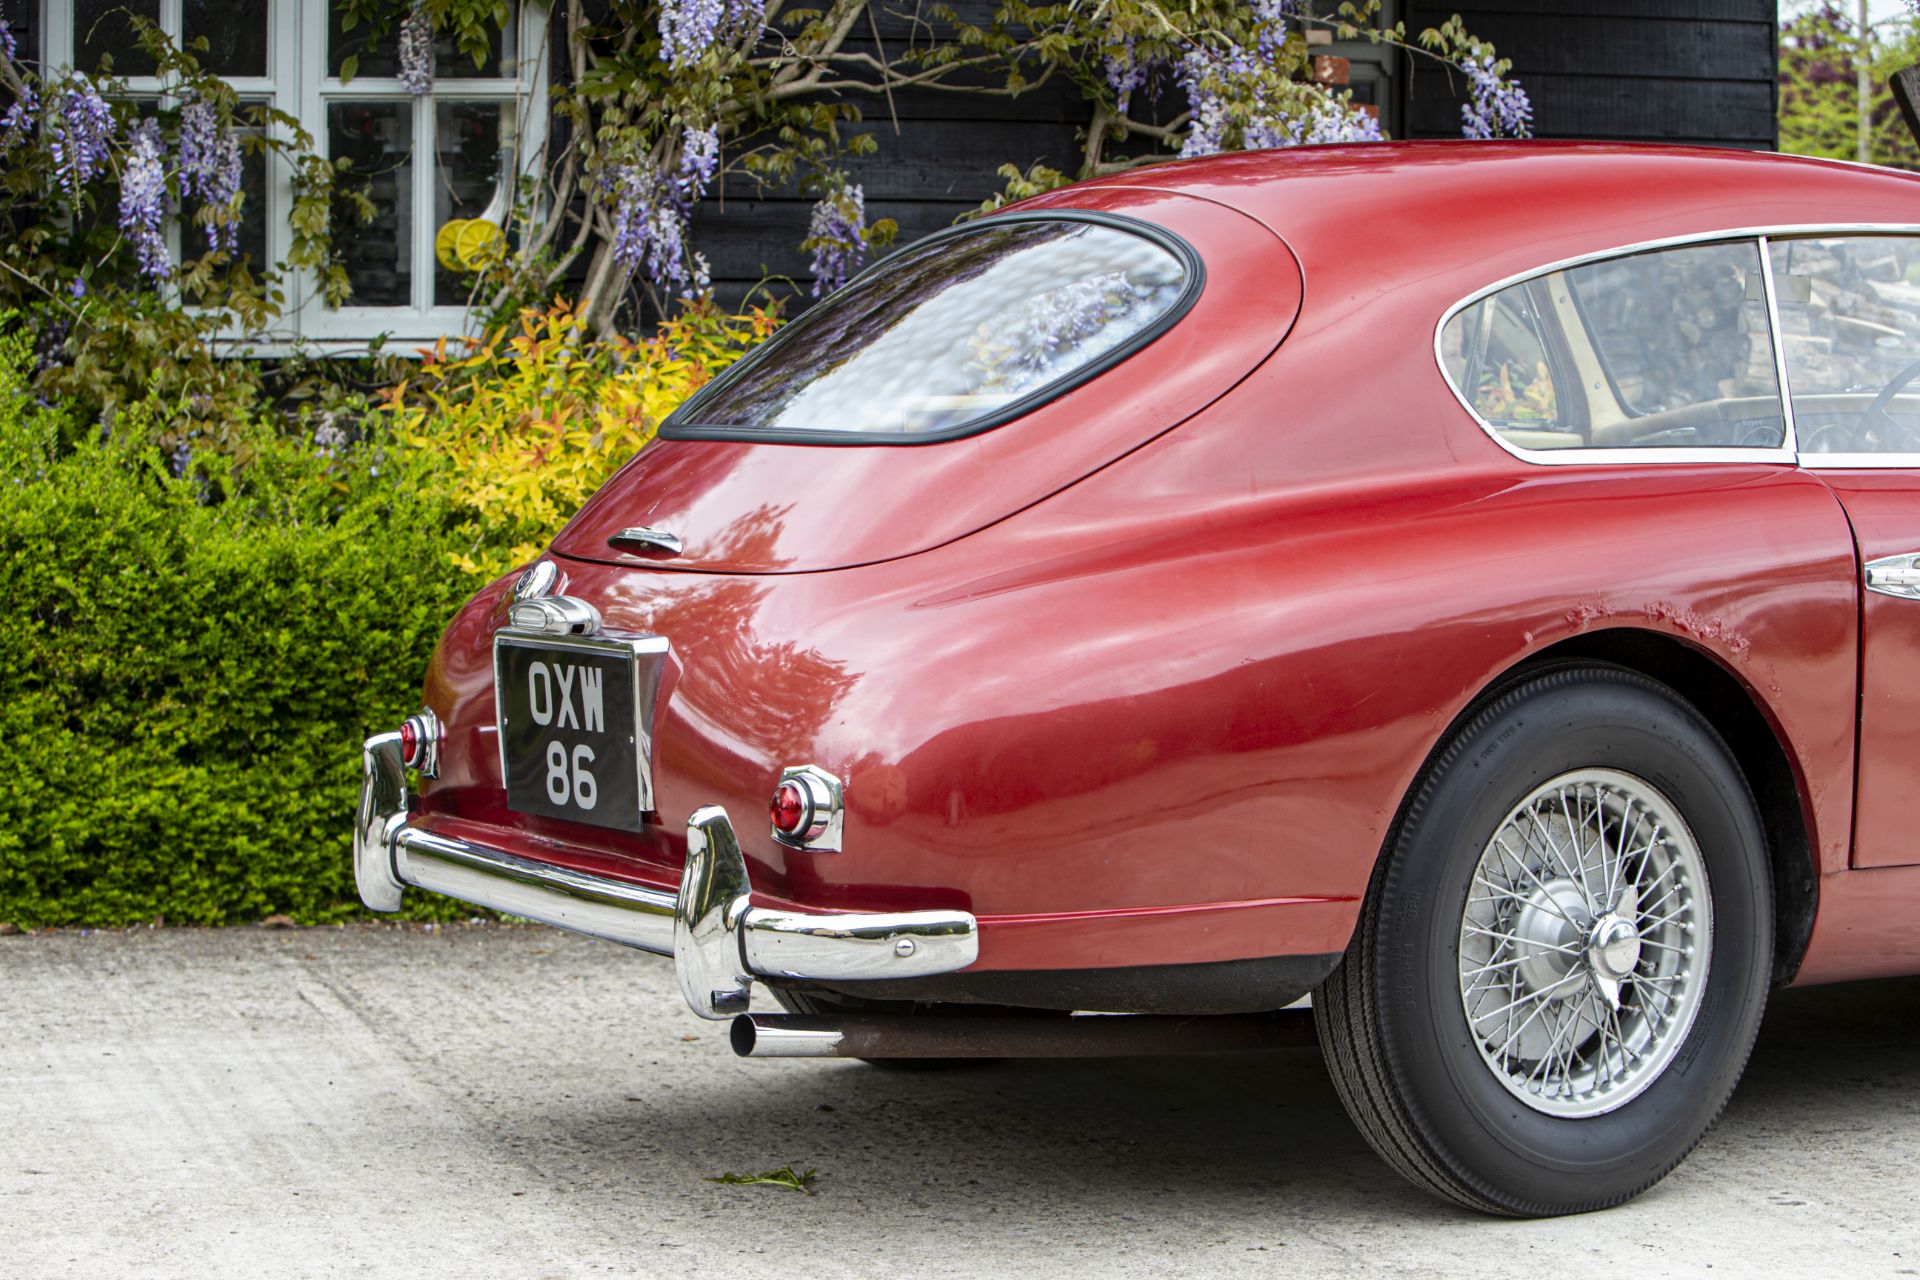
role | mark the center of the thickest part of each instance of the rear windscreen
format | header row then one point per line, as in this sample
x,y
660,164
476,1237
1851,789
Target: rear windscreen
x,y
956,333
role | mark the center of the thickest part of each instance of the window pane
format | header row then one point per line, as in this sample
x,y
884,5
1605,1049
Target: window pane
x,y
1652,350
950,332
235,32
466,182
1680,327
380,57
378,138
104,29
1850,323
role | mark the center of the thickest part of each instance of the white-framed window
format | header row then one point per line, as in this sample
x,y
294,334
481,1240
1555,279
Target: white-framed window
x,y
451,155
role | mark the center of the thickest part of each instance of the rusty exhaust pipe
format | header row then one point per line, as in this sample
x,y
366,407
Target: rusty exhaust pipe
x,y
1080,1035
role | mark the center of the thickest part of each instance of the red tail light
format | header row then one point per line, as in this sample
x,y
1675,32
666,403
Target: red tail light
x,y
806,809
789,808
420,743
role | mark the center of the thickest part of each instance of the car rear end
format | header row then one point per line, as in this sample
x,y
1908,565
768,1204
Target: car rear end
x,y
699,724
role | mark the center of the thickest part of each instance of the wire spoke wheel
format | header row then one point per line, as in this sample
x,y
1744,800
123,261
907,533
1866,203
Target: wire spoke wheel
x,y
1564,953
1585,942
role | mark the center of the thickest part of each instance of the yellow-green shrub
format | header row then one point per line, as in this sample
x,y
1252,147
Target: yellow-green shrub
x,y
529,425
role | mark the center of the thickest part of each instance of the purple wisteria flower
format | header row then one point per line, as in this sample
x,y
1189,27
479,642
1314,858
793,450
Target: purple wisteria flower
x,y
1203,74
1500,107
79,133
1272,15
199,136
221,189
329,439
1330,121
837,235
18,121
210,169
1224,89
50,351
649,223
651,209
143,198
699,161
416,51
689,28
1125,73
7,46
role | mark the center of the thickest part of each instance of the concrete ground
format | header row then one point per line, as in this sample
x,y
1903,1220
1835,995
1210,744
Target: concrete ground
x,y
508,1102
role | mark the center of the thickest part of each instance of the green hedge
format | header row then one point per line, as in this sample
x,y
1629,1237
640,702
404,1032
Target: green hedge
x,y
188,666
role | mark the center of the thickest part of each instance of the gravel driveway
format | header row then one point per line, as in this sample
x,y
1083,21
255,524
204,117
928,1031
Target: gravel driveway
x,y
506,1102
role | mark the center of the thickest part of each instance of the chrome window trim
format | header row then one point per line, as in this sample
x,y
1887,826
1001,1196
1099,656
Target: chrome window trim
x,y
1787,453
1858,461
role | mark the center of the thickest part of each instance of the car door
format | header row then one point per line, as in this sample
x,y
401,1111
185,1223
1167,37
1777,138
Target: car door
x,y
1849,312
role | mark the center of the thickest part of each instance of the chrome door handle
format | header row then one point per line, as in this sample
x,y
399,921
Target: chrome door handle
x,y
1895,575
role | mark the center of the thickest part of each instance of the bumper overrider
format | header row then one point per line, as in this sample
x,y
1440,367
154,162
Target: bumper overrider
x,y
718,939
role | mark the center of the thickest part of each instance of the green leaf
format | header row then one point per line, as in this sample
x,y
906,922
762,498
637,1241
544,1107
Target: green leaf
x,y
349,66
784,1176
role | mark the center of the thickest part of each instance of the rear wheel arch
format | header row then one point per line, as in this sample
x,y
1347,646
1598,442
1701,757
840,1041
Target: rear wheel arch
x,y
1699,679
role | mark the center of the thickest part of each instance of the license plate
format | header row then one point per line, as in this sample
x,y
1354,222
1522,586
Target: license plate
x,y
576,725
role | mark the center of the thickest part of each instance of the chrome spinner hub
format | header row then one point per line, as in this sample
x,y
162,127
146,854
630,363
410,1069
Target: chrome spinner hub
x,y
1614,948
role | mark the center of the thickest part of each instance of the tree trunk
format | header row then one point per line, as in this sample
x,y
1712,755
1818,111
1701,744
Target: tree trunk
x,y
1863,89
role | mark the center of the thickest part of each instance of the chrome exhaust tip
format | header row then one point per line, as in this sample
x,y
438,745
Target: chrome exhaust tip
x,y
766,1035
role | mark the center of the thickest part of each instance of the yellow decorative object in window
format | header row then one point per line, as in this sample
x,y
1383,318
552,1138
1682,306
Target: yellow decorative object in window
x,y
1497,400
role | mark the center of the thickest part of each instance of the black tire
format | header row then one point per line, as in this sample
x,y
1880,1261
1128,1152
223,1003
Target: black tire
x,y
1397,1040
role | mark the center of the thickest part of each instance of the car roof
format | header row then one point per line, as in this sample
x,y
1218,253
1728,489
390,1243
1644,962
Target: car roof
x,y
1506,206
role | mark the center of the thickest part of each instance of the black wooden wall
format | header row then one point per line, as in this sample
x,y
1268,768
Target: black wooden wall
x,y
23,20
1699,71
939,164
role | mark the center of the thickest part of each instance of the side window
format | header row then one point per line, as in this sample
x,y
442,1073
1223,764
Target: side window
x,y
1850,323
1668,349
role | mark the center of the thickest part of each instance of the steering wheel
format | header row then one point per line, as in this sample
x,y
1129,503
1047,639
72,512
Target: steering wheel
x,y
1877,427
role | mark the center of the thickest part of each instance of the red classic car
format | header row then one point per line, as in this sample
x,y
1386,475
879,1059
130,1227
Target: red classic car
x,y
1476,585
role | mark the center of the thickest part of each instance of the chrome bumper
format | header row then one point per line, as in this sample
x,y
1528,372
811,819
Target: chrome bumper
x,y
718,939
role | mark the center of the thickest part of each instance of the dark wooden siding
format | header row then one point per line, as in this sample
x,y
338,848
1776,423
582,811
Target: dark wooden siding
x,y
938,165
1633,70
23,19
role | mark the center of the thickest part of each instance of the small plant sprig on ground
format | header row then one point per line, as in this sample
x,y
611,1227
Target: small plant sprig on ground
x,y
783,1177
